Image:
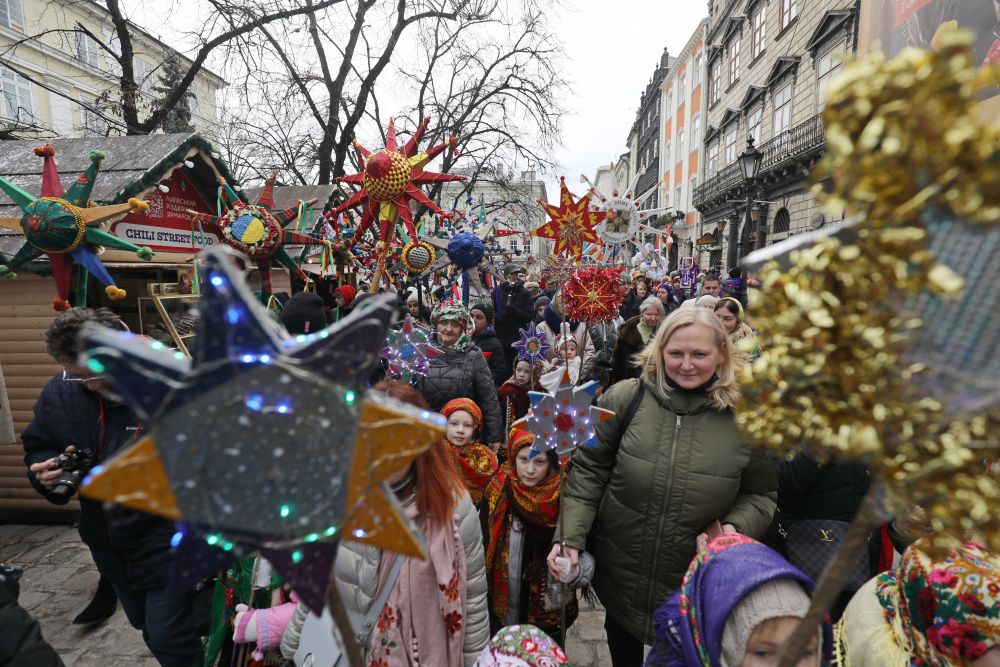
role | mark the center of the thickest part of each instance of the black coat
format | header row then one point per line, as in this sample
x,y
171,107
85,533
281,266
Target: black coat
x,y
67,413
516,310
21,641
464,374
598,365
630,306
808,490
495,355
628,345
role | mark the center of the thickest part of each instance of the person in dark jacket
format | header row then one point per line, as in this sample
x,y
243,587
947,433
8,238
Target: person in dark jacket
x,y
514,311
21,642
540,304
460,371
632,337
487,340
598,366
76,412
634,299
303,314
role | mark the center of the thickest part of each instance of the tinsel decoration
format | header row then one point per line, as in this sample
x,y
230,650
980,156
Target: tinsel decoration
x,y
838,371
593,294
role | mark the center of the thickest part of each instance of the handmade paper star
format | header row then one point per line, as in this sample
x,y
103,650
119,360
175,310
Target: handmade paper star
x,y
532,346
65,227
257,230
408,351
565,420
572,222
259,440
389,180
624,224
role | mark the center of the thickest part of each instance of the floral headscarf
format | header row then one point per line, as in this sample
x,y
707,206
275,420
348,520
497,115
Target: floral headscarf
x,y
521,646
453,311
934,613
689,626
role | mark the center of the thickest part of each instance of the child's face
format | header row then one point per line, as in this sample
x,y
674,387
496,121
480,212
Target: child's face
x,y
414,308
531,471
522,374
567,351
768,637
460,429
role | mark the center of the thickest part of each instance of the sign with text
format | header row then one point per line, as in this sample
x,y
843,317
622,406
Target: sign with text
x,y
167,226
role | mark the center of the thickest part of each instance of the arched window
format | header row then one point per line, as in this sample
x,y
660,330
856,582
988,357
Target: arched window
x,y
781,221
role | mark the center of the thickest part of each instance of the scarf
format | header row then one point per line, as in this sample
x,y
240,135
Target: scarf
x,y
408,631
538,510
477,464
521,646
928,613
452,311
645,331
689,625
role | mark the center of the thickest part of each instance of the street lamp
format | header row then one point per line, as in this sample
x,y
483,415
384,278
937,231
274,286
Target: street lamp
x,y
749,160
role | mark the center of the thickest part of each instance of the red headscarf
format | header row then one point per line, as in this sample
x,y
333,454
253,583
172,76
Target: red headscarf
x,y
476,462
348,293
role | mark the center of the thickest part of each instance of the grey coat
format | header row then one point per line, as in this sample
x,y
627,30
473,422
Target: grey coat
x,y
464,374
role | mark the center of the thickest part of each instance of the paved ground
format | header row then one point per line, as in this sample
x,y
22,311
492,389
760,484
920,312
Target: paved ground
x,y
59,578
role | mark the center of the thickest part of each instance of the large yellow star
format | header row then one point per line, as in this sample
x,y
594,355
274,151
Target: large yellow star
x,y
571,223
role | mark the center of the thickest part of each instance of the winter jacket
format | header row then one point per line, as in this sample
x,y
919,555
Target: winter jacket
x,y
493,351
464,373
630,306
515,311
356,572
680,465
553,324
808,490
67,413
21,642
629,344
604,336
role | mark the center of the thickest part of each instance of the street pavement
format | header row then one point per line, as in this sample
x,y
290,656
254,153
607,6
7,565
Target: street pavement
x,y
59,579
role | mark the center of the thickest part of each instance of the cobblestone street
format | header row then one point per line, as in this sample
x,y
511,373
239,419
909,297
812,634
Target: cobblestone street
x,y
59,578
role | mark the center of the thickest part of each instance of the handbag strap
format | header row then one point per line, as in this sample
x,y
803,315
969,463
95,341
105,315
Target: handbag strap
x,y
368,623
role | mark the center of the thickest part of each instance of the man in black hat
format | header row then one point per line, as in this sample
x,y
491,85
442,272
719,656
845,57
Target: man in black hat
x,y
514,311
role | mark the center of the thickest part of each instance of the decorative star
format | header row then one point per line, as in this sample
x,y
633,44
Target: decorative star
x,y
532,346
408,351
65,227
565,420
257,230
572,222
624,225
466,251
593,294
251,440
389,180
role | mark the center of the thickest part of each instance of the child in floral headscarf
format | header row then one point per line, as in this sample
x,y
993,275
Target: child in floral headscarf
x,y
476,462
521,507
521,646
933,613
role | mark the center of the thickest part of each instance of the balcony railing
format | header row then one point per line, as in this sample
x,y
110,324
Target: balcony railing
x,y
803,139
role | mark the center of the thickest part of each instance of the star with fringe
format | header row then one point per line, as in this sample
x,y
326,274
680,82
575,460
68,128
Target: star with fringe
x,y
260,442
258,230
593,294
564,420
408,351
532,346
63,226
571,223
388,182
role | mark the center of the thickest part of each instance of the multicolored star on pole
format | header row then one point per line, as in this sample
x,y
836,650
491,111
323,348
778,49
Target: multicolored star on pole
x,y
257,230
389,178
408,351
571,223
65,227
565,420
532,346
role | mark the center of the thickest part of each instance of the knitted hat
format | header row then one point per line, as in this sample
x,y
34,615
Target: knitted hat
x,y
778,598
465,405
542,301
348,293
486,309
303,314
566,339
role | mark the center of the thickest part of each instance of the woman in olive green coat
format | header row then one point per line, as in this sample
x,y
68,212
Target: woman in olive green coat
x,y
677,469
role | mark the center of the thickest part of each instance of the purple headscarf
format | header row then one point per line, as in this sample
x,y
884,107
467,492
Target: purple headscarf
x,y
690,624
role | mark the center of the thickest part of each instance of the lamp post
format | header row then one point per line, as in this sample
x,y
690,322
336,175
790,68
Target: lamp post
x,y
750,160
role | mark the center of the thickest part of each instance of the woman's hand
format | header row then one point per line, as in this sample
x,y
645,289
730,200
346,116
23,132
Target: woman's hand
x,y
567,552
712,532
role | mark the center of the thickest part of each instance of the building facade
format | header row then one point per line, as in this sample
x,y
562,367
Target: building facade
x,y
769,63
646,131
51,68
682,122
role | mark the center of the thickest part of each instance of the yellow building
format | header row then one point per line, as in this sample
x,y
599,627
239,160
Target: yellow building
x,y
58,68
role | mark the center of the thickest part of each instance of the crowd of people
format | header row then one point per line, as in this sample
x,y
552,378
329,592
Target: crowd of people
x,y
701,549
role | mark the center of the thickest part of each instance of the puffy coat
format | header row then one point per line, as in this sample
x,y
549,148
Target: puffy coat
x,y
464,374
681,464
629,344
493,351
356,572
516,310
67,413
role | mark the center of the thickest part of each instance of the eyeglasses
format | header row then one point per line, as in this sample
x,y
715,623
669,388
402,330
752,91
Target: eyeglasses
x,y
66,377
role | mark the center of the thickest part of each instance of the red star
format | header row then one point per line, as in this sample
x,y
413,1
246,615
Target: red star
x,y
572,222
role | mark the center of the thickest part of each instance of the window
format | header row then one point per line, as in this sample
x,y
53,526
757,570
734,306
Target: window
x,y
731,145
734,60
111,39
759,32
695,131
789,10
696,74
714,82
680,144
753,122
86,48
681,86
827,66
692,184
782,99
93,124
713,158
11,14
678,202
143,75
782,221
16,96
670,104
666,155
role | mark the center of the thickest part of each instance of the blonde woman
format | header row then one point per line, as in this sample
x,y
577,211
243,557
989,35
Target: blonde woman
x,y
669,467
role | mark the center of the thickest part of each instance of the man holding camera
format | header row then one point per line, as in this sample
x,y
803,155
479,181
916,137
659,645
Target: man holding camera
x,y
79,423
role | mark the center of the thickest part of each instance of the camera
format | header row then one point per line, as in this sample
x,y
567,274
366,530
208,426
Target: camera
x,y
74,466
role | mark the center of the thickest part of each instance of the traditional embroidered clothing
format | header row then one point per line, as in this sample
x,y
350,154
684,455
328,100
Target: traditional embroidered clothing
x,y
520,524
452,311
521,646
